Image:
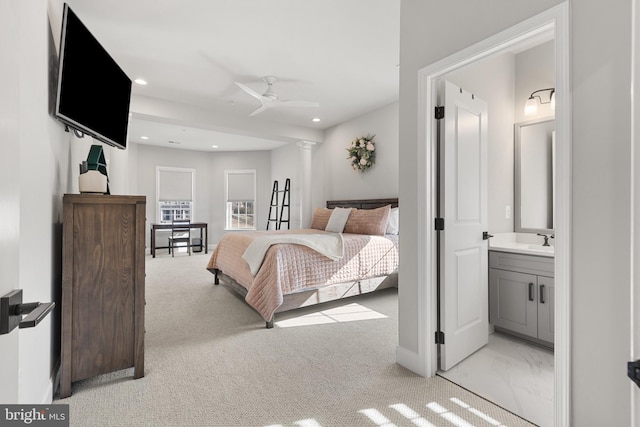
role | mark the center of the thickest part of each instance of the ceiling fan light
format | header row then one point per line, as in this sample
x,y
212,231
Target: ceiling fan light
x,y
531,106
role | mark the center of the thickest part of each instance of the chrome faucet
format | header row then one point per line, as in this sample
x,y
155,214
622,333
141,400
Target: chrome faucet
x,y
546,238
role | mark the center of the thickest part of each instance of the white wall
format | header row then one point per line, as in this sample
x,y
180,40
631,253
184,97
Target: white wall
x,y
601,78
209,182
600,81
340,180
119,168
493,80
35,170
285,163
535,69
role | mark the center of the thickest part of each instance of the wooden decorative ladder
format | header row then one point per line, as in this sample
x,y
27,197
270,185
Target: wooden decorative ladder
x,y
279,211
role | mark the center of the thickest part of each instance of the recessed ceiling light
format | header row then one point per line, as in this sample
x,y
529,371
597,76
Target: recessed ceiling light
x,y
141,81
214,146
144,137
315,119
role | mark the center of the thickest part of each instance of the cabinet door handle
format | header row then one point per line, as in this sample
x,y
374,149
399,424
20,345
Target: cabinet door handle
x,y
530,291
541,294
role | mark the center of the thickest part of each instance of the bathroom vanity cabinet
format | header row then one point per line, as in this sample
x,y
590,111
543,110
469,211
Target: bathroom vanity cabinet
x,y
521,295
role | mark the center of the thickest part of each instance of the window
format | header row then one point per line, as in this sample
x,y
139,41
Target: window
x,y
240,191
175,190
240,215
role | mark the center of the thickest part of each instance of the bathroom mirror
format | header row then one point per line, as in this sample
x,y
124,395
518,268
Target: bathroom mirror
x,y
534,176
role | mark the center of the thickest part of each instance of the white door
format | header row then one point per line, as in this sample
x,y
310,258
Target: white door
x,y
9,190
463,205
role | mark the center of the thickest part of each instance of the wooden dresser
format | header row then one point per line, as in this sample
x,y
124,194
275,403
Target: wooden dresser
x,y
103,278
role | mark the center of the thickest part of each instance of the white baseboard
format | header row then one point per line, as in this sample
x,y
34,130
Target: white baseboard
x,y
408,359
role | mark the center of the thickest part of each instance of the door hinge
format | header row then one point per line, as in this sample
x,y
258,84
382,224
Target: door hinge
x,y
439,337
439,112
633,371
439,224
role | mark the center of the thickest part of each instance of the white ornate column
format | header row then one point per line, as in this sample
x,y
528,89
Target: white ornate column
x,y
305,182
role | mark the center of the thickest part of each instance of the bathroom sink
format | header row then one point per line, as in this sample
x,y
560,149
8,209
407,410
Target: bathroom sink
x,y
542,248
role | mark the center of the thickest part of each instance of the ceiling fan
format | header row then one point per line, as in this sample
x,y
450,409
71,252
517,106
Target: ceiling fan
x,y
269,99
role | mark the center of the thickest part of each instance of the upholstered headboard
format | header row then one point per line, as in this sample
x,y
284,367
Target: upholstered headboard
x,y
362,204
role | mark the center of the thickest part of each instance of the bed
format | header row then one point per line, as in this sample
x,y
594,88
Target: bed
x,y
292,274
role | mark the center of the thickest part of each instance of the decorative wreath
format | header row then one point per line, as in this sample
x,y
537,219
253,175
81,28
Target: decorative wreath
x,y
362,153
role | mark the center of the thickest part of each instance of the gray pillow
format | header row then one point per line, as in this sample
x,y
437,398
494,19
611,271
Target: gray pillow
x,y
338,220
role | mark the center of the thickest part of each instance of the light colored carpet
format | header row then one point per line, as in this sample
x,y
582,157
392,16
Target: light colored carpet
x,y
210,362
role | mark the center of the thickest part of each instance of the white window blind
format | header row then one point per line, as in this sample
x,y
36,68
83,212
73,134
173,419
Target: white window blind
x,y
175,185
240,186
241,193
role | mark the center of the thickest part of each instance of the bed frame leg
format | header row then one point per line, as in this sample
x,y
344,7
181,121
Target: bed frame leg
x,y
216,281
270,323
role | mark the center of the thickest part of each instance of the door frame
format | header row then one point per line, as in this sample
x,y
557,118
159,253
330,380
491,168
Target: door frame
x,y
634,250
555,19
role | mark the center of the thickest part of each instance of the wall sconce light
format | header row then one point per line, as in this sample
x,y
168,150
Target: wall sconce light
x,y
531,106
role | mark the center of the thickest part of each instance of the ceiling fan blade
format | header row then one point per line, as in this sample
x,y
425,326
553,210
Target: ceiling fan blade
x,y
259,110
294,103
250,91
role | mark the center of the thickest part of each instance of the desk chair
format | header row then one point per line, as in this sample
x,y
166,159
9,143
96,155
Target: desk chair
x,y
180,233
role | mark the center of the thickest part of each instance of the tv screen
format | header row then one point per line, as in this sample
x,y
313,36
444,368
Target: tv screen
x,y
93,92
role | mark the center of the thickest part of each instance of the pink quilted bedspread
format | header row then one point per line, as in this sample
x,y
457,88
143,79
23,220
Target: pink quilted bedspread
x,y
290,268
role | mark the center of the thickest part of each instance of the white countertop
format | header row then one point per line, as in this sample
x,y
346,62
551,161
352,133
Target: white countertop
x,y
522,243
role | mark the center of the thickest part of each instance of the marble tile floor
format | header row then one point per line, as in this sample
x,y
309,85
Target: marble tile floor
x,y
511,373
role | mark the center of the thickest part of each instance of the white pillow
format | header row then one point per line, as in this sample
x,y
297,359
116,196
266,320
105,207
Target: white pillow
x,y
393,226
338,219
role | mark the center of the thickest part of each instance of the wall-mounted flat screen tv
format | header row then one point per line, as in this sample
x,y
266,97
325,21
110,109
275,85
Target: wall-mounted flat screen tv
x,y
93,92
